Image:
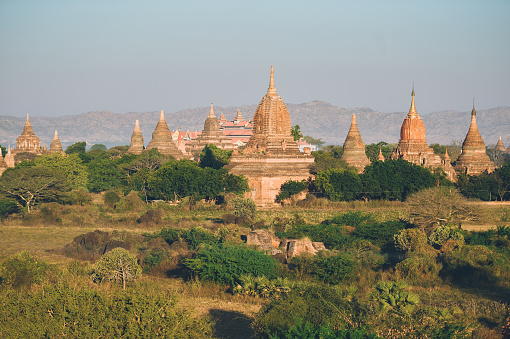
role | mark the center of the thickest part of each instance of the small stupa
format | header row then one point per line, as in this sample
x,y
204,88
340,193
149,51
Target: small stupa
x,y
9,157
180,143
222,119
474,159
500,146
354,148
56,145
447,166
271,156
211,135
162,140
380,156
3,164
136,146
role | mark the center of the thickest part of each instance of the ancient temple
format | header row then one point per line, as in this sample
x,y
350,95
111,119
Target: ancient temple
x,y
271,156
413,146
137,145
211,134
56,145
354,148
162,140
474,159
239,117
500,146
3,164
28,141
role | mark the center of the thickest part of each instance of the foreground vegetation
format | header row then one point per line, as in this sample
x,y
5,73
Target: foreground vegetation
x,y
387,273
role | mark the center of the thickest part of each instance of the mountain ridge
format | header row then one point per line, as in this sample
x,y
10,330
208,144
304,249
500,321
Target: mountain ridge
x,y
318,119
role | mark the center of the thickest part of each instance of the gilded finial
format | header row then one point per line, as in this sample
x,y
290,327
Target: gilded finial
x,y
473,112
162,116
211,112
412,110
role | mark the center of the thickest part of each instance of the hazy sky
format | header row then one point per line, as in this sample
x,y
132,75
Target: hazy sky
x,y
70,57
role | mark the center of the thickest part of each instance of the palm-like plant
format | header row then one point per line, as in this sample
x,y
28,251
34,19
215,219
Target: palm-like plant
x,y
392,297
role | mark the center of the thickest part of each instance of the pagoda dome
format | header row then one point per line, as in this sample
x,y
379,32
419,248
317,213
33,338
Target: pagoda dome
x,y
413,128
211,124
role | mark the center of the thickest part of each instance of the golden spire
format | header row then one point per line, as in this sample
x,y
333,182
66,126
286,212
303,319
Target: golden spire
x,y
473,112
446,155
162,116
380,156
211,112
271,91
412,110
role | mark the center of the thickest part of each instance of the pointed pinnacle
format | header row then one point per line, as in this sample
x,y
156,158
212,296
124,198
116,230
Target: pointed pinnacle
x,y
271,91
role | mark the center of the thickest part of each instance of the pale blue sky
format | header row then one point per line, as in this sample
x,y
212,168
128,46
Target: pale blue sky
x,y
70,57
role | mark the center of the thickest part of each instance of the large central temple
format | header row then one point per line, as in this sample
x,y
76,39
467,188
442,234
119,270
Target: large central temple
x,y
271,156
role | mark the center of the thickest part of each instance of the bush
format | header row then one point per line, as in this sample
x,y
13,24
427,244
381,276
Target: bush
x,y
411,240
322,331
8,207
334,269
317,305
22,270
111,198
62,310
243,207
80,196
380,234
118,266
419,270
224,263
131,203
354,219
442,234
196,236
391,297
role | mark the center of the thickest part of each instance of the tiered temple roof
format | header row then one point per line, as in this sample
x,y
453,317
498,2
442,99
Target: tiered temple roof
x,y
162,140
137,143
28,141
354,148
56,145
474,159
271,125
380,156
271,156
210,135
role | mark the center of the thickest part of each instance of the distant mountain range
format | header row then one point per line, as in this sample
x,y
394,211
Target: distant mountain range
x,y
317,119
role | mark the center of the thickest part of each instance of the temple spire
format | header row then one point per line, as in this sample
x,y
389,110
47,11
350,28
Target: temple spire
x,y
271,91
162,116
211,112
473,112
412,110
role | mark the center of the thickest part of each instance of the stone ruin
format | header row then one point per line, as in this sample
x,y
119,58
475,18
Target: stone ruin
x,y
289,248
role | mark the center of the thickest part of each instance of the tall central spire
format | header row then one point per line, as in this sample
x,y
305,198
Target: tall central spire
x,y
271,91
211,112
412,110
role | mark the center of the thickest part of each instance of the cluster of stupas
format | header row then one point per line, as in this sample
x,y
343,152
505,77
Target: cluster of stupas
x,y
28,142
271,156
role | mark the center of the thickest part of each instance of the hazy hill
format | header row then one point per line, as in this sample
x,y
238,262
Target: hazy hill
x,y
318,119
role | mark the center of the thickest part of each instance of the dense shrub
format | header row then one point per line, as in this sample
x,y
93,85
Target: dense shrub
x,y
22,270
118,266
322,331
442,234
317,305
225,263
419,270
8,207
411,240
354,219
392,297
111,198
243,207
334,269
380,234
196,236
62,310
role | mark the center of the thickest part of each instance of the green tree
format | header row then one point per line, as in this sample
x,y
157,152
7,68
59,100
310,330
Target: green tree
x,y
290,188
98,146
328,158
372,150
118,266
104,175
71,166
395,179
77,147
312,141
3,150
32,185
339,184
23,269
178,179
214,157
296,132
